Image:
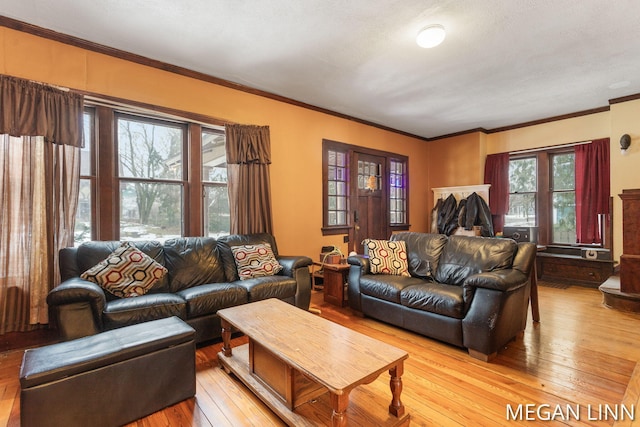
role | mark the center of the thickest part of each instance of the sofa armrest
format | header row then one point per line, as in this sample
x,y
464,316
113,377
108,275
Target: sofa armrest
x,y
291,263
75,299
359,266
500,280
360,261
298,268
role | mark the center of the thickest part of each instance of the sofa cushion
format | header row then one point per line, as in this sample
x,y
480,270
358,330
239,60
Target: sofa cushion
x,y
386,286
208,299
255,261
129,311
193,261
126,272
387,257
438,298
281,287
423,251
465,255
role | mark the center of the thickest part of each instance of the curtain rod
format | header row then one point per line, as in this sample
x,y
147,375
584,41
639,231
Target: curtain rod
x,y
549,147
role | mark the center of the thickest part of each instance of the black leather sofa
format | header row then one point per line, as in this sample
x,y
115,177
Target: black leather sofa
x,y
202,278
471,292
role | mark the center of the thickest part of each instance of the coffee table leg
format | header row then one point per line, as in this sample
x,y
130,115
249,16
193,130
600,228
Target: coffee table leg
x,y
396,407
339,404
226,337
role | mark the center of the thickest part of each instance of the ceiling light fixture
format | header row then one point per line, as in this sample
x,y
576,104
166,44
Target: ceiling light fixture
x,y
431,36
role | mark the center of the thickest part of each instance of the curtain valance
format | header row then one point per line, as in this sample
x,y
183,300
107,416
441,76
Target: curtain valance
x,y
33,109
248,144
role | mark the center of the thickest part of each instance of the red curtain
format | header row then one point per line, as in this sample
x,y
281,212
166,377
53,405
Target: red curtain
x,y
496,173
592,189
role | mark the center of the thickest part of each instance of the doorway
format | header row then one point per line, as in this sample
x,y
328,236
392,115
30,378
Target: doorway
x,y
370,209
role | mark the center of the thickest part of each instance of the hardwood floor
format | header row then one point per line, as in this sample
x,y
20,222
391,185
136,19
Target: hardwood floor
x,y
580,354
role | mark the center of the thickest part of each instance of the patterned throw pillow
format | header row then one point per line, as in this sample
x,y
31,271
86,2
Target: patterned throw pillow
x,y
126,272
387,257
255,261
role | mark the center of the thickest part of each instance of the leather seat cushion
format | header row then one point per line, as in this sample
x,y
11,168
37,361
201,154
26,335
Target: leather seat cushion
x,y
129,311
386,286
438,298
260,288
463,256
423,251
208,299
192,261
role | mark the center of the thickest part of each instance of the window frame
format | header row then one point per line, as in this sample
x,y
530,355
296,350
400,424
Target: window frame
x,y
544,193
91,177
106,187
206,184
553,191
184,171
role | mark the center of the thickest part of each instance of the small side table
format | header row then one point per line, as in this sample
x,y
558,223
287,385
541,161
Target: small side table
x,y
334,279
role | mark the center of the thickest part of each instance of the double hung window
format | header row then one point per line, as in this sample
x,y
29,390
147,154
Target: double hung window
x,y
135,183
542,193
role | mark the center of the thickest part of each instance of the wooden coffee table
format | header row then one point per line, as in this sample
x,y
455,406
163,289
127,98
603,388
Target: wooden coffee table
x,y
295,359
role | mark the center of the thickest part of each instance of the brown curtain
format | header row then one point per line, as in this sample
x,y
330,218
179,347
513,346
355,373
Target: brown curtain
x,y
496,173
32,109
248,159
40,136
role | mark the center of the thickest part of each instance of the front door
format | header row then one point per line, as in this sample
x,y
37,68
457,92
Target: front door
x,y
369,210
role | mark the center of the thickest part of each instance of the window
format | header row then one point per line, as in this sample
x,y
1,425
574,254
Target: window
x,y
542,193
563,186
85,214
397,193
135,184
338,188
214,178
150,168
523,189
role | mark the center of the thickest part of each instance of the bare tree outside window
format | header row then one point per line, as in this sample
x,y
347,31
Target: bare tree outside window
x,y
564,197
150,167
217,220
522,193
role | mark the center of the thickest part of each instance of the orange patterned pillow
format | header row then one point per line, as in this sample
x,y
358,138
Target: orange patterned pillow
x,y
255,261
387,257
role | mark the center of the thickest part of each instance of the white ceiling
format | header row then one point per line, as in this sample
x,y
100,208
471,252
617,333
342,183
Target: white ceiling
x,y
503,62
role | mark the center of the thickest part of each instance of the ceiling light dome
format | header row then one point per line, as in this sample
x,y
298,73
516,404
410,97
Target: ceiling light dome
x,y
431,36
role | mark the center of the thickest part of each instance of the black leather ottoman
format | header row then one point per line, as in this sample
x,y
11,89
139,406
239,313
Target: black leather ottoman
x,y
108,379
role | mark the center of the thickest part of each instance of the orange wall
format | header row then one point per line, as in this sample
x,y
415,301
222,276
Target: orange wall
x,y
296,133
625,170
457,161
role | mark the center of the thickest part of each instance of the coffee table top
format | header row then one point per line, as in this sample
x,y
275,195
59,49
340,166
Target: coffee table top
x,y
330,354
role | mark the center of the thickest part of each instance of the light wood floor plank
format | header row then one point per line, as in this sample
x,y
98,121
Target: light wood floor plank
x,y
579,354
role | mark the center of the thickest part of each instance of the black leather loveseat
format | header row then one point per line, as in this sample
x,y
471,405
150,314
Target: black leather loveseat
x,y
201,279
471,292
